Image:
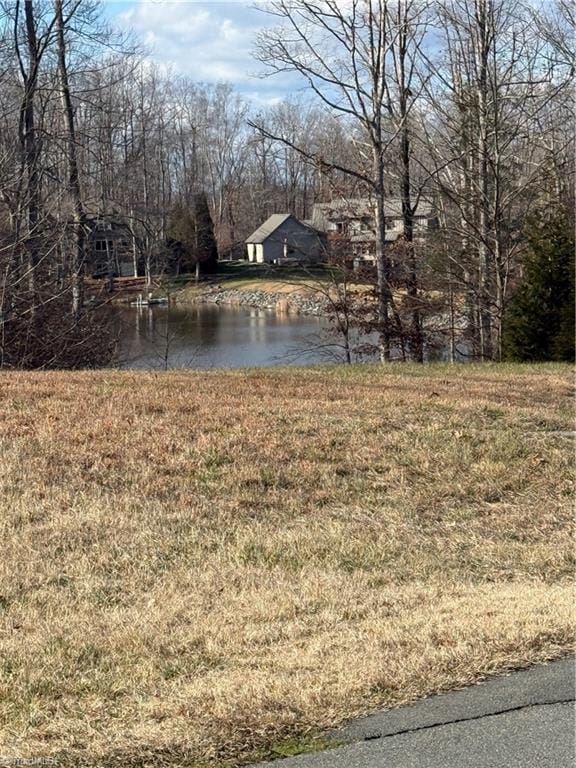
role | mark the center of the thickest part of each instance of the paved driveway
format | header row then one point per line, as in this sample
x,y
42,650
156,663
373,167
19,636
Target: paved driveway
x,y
522,720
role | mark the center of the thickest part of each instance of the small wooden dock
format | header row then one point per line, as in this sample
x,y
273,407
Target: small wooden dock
x,y
133,290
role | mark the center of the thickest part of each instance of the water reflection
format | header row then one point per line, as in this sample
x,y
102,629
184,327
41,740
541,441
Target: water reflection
x,y
207,336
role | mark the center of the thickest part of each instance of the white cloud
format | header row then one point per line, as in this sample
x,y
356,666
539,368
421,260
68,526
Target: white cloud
x,y
209,41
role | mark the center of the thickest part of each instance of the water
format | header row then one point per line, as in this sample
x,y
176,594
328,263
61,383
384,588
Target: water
x,y
209,336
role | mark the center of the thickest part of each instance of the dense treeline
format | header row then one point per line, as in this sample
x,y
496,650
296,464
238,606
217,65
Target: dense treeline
x,y
467,103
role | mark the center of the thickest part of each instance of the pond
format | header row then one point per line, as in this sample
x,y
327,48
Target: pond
x,y
209,336
221,336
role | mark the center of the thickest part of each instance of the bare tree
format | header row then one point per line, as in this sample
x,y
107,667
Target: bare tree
x,y
404,89
488,95
77,266
29,61
343,53
468,101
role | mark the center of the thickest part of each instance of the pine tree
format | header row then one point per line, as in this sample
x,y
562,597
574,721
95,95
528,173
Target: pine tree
x,y
191,237
206,248
539,323
180,240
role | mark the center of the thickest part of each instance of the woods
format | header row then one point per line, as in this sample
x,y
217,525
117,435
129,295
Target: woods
x,y
465,103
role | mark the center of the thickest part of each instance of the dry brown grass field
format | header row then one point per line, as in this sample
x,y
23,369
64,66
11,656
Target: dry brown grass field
x,y
197,566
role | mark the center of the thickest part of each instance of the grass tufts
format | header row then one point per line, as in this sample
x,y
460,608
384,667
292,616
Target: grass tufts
x,y
203,568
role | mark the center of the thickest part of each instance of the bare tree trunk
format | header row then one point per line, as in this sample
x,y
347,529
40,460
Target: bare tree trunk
x,y
145,201
109,267
404,51
382,263
452,319
134,243
30,147
77,261
482,44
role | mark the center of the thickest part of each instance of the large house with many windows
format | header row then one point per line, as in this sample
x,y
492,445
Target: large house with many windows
x,y
346,223
351,221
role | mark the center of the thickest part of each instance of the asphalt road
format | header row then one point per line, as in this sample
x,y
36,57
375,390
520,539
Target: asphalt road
x,y
522,720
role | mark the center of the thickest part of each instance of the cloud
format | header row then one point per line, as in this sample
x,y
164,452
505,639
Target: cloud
x,y
209,41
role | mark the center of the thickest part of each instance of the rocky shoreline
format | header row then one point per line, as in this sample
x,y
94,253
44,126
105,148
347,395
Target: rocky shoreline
x,y
296,303
305,303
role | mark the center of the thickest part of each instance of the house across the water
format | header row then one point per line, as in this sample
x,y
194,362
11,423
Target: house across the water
x,y
346,223
283,239
351,222
110,252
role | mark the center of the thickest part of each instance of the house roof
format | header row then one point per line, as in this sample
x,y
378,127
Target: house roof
x,y
363,207
270,225
362,237
370,237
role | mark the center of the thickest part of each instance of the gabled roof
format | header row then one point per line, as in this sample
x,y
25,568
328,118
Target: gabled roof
x,y
350,208
270,225
363,208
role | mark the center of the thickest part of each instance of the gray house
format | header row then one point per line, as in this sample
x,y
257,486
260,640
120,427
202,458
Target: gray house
x,y
110,248
283,239
352,221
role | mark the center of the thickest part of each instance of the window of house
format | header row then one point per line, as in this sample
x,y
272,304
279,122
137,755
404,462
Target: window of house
x,y
103,245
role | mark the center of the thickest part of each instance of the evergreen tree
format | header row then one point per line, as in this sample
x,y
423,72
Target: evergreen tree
x,y
206,249
539,323
182,239
191,237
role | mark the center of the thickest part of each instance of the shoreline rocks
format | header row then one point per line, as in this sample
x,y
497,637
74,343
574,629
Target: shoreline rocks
x,y
296,303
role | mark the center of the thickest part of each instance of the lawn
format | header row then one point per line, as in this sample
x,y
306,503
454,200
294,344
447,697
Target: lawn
x,y
244,276
199,567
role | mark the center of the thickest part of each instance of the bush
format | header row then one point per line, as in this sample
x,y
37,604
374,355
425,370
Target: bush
x,y
51,337
539,323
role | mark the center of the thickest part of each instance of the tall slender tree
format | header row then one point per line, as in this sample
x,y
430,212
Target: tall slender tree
x,y
71,151
342,52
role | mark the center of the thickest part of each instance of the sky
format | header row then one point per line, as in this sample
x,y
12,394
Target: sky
x,y
209,41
